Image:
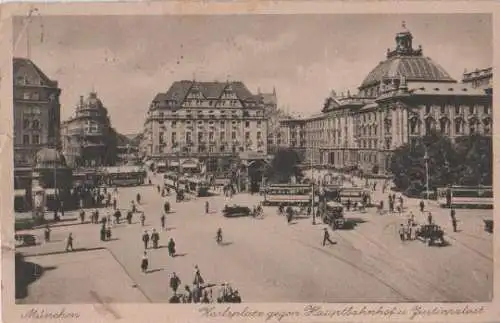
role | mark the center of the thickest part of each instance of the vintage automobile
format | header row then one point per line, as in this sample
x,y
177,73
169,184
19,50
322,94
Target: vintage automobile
x,y
236,211
24,240
430,233
488,225
333,215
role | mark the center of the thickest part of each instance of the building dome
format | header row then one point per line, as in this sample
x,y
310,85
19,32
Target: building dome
x,y
413,68
405,61
49,158
92,101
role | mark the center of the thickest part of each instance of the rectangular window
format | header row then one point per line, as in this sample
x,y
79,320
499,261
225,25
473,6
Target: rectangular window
x,y
222,136
247,124
174,137
26,96
259,124
188,137
233,135
36,139
222,124
26,140
174,124
457,109
211,136
247,135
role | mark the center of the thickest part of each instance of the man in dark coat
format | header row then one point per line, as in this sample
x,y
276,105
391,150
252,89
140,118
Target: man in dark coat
x,y
453,219
174,283
326,237
162,219
82,216
155,237
145,239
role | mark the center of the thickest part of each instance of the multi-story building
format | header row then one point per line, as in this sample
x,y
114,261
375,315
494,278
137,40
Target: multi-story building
x,y
209,122
406,96
292,134
88,140
36,117
482,79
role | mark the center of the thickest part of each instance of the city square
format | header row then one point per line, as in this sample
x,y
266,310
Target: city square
x,y
209,189
266,259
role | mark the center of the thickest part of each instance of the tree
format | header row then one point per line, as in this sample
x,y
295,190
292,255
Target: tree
x,y
283,166
409,167
476,154
467,162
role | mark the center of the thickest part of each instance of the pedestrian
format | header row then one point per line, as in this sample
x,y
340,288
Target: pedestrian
x,y
144,262
114,203
171,247
326,237
108,217
198,280
453,220
408,232
62,208
158,188
69,242
162,219
138,198
46,233
108,232
129,217
166,207
82,216
96,216
103,232
402,232
143,218
145,239
429,218
132,206
206,207
422,205
155,237
189,295
348,205
174,283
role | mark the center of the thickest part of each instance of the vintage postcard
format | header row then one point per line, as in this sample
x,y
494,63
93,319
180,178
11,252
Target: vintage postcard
x,y
248,161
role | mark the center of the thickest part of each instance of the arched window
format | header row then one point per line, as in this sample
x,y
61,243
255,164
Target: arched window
x,y
414,126
430,125
444,126
487,125
458,126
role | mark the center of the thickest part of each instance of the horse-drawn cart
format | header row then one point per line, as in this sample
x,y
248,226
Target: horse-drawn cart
x,y
430,233
236,211
334,215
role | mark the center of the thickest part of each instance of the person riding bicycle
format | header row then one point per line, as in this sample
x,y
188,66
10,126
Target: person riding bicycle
x,y
219,235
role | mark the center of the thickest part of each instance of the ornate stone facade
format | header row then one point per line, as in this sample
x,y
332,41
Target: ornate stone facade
x,y
36,112
87,137
404,97
209,121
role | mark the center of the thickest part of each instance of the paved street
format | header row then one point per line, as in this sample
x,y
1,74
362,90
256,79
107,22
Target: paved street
x,y
266,259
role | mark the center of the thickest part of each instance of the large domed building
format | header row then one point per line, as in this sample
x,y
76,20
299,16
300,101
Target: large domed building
x,y
404,97
87,138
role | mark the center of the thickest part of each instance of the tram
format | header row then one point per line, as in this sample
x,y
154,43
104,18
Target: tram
x,y
289,194
465,196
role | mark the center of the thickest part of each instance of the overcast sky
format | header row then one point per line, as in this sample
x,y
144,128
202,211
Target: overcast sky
x,y
127,59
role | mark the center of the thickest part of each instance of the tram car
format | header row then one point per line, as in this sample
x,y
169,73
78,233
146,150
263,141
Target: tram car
x,y
236,211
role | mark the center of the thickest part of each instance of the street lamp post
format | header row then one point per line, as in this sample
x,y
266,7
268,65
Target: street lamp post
x,y
312,190
426,159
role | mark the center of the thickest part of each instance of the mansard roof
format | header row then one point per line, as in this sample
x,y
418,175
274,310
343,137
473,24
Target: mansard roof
x,y
24,67
210,90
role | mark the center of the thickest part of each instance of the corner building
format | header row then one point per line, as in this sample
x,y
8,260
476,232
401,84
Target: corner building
x,y
209,122
404,97
87,137
36,110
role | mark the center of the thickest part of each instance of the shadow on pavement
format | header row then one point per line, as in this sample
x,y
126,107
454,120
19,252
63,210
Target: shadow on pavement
x,y
154,270
351,223
25,274
180,255
63,251
224,244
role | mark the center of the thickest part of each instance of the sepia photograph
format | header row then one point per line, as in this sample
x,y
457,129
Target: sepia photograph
x,y
253,158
